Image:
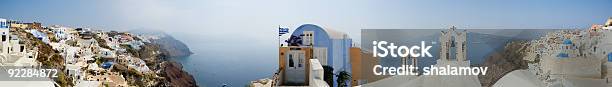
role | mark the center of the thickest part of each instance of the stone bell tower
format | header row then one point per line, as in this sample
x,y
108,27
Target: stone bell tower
x,y
453,45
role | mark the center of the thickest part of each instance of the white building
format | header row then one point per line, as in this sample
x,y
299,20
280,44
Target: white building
x,y
106,53
40,35
60,32
14,53
608,24
4,32
329,46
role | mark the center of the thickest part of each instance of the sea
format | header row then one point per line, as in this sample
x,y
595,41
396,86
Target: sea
x,y
228,65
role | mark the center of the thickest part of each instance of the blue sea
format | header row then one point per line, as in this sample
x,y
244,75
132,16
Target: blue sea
x,y
215,66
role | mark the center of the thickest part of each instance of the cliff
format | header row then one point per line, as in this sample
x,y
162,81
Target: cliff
x,y
167,44
176,76
504,62
169,48
123,50
174,48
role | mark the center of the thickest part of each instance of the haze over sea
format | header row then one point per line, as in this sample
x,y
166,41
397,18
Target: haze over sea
x,y
215,65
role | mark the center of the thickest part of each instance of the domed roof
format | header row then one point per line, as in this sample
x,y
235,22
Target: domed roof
x,y
332,34
567,41
107,65
562,55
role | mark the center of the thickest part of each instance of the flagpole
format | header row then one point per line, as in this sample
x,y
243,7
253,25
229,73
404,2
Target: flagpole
x,y
279,37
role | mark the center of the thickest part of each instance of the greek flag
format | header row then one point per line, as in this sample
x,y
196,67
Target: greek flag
x,y
282,31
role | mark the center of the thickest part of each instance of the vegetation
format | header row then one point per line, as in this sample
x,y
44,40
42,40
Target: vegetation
x,y
54,39
63,80
102,42
130,50
328,74
132,76
99,61
71,43
343,77
48,57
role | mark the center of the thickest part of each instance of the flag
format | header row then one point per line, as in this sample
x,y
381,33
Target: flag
x,y
282,31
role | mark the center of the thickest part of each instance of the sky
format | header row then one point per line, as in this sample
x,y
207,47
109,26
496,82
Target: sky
x,y
226,27
257,20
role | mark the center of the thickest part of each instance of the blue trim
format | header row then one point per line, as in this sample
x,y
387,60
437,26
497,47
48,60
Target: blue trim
x,y
562,55
567,41
610,57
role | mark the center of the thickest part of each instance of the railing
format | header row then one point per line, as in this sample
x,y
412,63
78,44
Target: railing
x,y
276,77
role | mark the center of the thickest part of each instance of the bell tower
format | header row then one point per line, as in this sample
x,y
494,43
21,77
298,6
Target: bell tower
x,y
453,45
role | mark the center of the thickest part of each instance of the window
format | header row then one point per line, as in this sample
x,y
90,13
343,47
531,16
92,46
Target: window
x,y
300,62
463,47
447,55
21,48
290,60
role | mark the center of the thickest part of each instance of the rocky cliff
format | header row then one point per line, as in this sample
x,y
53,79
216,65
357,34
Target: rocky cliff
x,y
174,48
168,44
176,76
172,72
504,62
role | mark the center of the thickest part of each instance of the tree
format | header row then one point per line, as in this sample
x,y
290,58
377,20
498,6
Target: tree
x,y
343,76
328,74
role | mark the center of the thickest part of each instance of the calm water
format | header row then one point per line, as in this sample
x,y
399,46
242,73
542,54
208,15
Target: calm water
x,y
213,68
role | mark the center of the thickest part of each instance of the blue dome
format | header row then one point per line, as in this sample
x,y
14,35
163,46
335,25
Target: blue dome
x,y
562,55
567,41
321,36
107,65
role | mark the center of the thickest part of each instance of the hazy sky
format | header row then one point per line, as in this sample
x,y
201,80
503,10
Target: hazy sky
x,y
255,21
222,24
